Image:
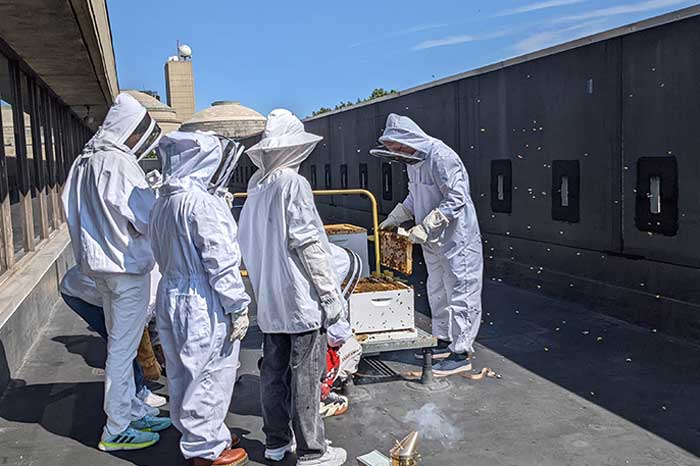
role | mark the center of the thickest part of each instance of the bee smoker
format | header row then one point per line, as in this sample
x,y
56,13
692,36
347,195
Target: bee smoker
x,y
404,453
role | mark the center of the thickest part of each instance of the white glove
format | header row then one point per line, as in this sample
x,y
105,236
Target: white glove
x,y
317,262
226,195
435,223
396,217
333,310
239,325
418,235
154,179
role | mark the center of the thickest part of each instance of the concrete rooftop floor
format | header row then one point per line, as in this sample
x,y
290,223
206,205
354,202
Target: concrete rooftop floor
x,y
628,398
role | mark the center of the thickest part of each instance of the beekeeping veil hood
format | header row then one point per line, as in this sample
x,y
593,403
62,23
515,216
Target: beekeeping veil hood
x,y
127,117
189,161
404,131
231,152
284,144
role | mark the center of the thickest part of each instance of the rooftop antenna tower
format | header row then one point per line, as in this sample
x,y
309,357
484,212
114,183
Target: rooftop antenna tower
x,y
179,82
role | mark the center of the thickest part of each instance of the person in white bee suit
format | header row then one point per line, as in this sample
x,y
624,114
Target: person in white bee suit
x,y
287,255
202,306
107,203
448,231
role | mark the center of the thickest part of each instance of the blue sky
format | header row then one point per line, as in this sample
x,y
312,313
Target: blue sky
x,y
304,55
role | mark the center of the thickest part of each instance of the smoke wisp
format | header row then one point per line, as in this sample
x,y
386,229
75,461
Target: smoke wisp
x,y
432,424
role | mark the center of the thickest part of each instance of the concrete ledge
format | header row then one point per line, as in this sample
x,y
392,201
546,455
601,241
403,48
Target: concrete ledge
x,y
28,297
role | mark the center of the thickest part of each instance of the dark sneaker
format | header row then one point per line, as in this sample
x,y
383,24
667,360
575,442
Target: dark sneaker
x,y
441,351
334,405
454,364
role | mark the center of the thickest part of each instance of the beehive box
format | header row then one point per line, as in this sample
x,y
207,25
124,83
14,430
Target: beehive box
x,y
381,305
353,238
397,252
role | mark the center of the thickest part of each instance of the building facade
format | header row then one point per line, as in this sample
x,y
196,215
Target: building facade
x,y
179,87
228,118
55,88
164,115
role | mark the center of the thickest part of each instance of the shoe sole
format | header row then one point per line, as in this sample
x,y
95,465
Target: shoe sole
x,y
341,461
240,462
459,370
436,357
334,412
280,458
108,446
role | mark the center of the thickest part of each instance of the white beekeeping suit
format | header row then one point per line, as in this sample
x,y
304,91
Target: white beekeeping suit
x,y
287,254
447,228
201,304
296,260
107,203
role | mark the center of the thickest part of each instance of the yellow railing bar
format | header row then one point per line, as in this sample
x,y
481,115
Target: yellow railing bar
x,y
375,215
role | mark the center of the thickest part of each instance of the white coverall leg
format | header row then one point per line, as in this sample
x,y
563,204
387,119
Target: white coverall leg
x,y
202,365
454,294
125,300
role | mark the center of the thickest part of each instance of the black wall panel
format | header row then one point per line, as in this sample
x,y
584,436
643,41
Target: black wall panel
x,y
661,109
540,111
597,110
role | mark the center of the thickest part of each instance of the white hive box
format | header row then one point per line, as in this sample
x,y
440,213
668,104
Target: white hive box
x,y
381,305
353,238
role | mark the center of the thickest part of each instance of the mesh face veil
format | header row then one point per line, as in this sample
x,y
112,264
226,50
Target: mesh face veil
x,y
231,153
391,156
150,135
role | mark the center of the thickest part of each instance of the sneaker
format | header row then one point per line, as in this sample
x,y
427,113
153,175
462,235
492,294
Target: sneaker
x,y
130,439
153,412
333,457
228,457
277,454
151,424
334,405
441,351
454,364
150,398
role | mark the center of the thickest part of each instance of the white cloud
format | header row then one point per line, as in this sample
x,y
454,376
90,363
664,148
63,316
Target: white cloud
x,y
538,6
462,39
402,32
449,40
542,40
638,7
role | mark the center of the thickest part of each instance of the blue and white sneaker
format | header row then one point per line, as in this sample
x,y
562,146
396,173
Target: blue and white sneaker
x,y
151,424
454,364
130,439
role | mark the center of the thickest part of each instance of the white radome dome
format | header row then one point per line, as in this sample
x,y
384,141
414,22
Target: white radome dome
x,y
185,51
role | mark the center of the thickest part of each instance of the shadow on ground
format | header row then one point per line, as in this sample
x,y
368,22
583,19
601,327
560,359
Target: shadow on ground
x,y
647,378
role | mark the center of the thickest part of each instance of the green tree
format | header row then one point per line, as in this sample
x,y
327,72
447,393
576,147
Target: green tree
x,y
376,93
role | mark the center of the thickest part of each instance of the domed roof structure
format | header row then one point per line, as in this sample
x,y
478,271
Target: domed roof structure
x,y
227,118
165,116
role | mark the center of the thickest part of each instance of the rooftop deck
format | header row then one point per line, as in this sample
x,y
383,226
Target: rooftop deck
x,y
577,388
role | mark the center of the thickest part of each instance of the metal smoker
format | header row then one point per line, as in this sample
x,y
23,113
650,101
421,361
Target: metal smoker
x,y
404,453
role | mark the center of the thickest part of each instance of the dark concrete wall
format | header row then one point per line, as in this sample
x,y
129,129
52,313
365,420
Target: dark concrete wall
x,y
42,275
605,105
